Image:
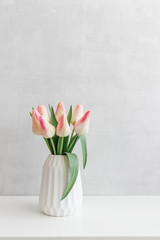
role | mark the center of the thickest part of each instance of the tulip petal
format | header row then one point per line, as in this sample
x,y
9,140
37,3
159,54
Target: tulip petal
x,y
36,126
43,111
48,130
77,114
82,126
60,110
63,129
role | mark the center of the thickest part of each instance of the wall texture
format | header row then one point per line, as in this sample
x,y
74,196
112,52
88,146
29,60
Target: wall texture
x,y
104,54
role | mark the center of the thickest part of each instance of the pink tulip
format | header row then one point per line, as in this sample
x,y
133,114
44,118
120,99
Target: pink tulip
x,y
47,129
43,111
77,114
41,126
82,126
63,129
60,110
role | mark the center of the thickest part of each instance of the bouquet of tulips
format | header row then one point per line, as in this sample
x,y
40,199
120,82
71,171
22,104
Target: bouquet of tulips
x,y
54,127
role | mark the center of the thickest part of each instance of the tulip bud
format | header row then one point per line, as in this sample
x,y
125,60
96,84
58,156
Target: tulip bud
x,y
47,129
63,129
43,111
36,126
82,126
77,114
60,110
41,126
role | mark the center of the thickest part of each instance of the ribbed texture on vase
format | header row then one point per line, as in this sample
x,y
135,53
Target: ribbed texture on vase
x,y
53,184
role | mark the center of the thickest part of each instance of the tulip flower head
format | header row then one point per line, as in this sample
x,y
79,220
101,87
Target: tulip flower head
x,y
77,114
82,126
63,129
41,126
60,110
43,111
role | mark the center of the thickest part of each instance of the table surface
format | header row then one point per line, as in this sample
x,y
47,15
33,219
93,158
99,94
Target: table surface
x,y
100,217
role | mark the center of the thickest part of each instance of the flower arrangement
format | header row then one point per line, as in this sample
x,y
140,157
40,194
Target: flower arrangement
x,y
54,127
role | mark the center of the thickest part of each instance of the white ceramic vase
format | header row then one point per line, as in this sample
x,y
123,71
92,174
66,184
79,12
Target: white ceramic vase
x,y
53,184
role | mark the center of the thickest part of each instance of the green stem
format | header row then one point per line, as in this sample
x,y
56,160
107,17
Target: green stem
x,y
71,138
50,149
71,143
61,146
54,149
72,134
77,138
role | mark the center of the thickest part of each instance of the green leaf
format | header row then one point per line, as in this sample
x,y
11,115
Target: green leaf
x,y
30,114
54,122
84,149
52,116
73,172
48,144
69,115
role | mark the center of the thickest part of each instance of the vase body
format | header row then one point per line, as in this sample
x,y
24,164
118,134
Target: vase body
x,y
53,184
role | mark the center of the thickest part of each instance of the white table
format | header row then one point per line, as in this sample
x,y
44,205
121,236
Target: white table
x,y
99,217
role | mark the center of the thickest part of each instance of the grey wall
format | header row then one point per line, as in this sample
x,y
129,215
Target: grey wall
x,y
104,54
